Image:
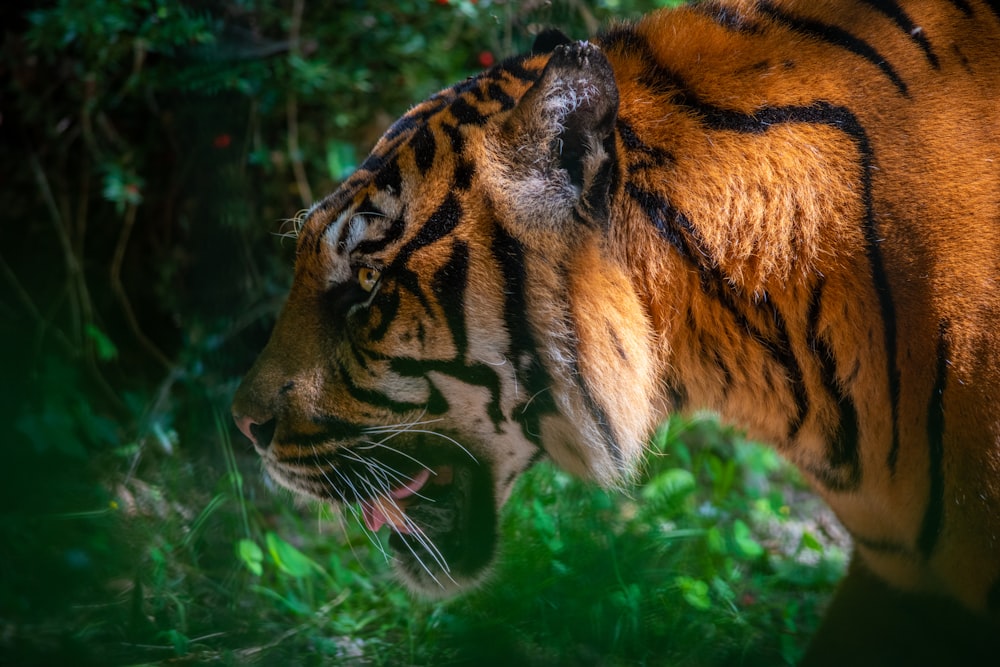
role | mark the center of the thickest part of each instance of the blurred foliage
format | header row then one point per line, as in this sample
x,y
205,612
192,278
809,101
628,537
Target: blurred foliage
x,y
154,151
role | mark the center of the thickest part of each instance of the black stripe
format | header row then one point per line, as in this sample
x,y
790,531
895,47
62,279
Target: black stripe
x,y
963,6
536,456
720,362
626,39
480,375
455,137
515,68
386,304
389,177
631,141
601,419
667,220
449,285
837,37
403,125
994,6
843,452
331,428
930,529
392,234
435,405
661,79
596,410
534,380
424,147
616,341
466,114
677,230
464,171
892,9
497,94
840,118
419,115
781,350
441,223
777,345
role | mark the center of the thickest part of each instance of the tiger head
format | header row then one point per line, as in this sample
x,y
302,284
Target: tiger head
x,y
458,312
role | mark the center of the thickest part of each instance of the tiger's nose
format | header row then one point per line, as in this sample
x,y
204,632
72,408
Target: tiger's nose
x,y
258,432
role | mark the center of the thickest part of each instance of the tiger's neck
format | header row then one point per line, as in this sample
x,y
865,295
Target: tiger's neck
x,y
743,269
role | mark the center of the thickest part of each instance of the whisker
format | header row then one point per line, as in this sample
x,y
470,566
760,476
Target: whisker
x,y
420,538
374,445
413,529
364,529
384,469
338,511
404,425
524,408
428,545
449,439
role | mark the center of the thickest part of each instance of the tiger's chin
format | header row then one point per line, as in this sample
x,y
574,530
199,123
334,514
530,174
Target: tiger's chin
x,y
441,513
450,535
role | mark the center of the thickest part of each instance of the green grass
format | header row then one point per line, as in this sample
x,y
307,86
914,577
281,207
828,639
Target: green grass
x,y
712,557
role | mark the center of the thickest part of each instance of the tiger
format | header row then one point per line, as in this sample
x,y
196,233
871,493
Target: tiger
x,y
783,211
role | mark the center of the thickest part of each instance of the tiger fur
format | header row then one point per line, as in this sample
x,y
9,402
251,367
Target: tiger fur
x,y
785,211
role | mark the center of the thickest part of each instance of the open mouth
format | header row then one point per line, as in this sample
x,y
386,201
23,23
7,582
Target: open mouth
x,y
390,508
444,527
440,510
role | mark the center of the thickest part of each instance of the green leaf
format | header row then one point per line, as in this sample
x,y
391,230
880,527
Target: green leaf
x,y
744,540
670,484
180,642
106,350
252,555
290,560
714,540
122,186
810,542
694,591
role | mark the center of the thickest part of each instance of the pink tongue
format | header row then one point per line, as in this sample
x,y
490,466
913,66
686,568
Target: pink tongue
x,y
376,511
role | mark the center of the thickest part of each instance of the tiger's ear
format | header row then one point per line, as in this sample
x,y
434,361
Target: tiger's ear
x,y
558,145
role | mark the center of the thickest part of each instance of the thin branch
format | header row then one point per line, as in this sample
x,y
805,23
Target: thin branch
x,y
73,269
119,289
81,308
41,323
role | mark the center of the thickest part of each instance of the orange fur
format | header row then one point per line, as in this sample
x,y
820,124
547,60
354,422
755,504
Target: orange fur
x,y
787,212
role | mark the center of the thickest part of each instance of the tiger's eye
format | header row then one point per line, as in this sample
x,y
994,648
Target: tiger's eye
x,y
368,278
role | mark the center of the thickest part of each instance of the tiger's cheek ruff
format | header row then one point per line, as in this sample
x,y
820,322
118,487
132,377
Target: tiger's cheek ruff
x,y
596,350
547,173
